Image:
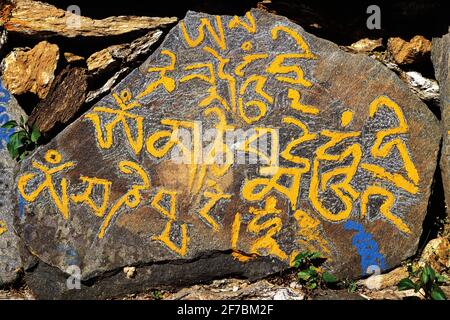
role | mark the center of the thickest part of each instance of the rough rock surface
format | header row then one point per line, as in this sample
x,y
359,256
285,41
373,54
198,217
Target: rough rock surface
x,y
10,261
31,70
366,45
440,56
339,157
35,18
233,289
66,97
121,59
426,89
408,52
437,254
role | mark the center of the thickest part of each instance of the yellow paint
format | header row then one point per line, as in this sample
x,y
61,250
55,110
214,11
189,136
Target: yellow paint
x,y
211,79
272,159
277,67
172,216
132,198
305,136
385,207
214,197
121,116
53,157
231,81
397,179
173,139
218,148
307,54
247,60
165,238
218,36
295,96
3,227
310,234
235,230
346,118
272,226
380,150
86,195
259,81
167,82
343,190
237,22
269,184
246,46
61,202
171,213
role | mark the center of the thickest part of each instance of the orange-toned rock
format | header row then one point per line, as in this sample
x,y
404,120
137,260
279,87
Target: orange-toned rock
x,y
405,52
436,254
366,45
32,70
35,18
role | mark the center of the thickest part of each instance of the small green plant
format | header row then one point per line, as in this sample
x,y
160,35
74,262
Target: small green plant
x,y
23,141
428,280
157,295
310,275
350,285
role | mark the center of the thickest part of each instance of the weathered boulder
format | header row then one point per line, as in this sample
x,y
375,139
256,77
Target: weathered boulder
x,y
10,260
31,70
65,98
239,143
408,52
39,19
120,59
440,55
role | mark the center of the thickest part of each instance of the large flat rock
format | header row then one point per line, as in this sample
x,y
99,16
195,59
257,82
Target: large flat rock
x,y
440,55
239,143
10,259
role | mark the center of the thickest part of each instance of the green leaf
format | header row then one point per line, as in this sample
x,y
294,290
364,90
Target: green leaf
x,y
440,278
329,278
304,275
312,271
9,124
35,134
22,120
312,285
437,293
13,149
314,255
406,284
417,286
424,277
430,273
301,256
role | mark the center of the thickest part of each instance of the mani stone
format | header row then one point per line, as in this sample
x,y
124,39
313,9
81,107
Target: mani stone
x,y
440,55
10,260
238,144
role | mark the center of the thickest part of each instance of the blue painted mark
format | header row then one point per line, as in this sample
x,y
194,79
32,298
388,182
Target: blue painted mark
x,y
21,207
70,254
367,248
4,117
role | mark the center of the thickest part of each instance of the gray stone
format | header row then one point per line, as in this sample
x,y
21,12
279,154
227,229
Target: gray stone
x,y
440,55
10,260
355,187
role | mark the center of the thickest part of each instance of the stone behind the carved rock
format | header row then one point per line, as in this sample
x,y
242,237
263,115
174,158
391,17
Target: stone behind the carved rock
x,y
440,55
10,244
342,85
